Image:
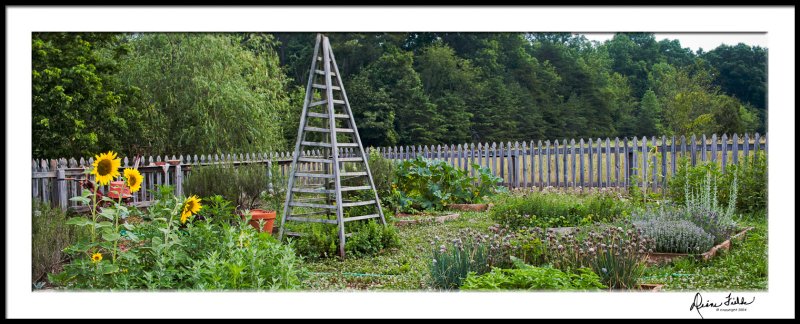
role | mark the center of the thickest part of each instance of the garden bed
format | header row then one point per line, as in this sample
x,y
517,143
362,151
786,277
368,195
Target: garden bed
x,y
662,258
408,219
470,207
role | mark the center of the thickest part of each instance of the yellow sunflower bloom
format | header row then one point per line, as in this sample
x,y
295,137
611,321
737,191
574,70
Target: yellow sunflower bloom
x,y
190,206
185,215
106,167
97,257
134,179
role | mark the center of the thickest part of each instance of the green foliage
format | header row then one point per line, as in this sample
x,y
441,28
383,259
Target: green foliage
x,y
383,173
369,238
213,179
50,236
424,184
452,263
218,210
207,92
242,184
78,107
534,278
538,209
750,177
160,254
615,254
676,236
751,181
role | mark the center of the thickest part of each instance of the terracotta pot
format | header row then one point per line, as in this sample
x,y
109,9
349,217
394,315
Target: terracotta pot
x,y
161,163
174,162
117,189
267,215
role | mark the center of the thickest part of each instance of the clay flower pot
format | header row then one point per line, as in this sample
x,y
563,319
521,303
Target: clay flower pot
x,y
161,163
174,162
267,215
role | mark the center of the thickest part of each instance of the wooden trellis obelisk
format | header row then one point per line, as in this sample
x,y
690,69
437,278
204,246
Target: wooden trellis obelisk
x,y
332,156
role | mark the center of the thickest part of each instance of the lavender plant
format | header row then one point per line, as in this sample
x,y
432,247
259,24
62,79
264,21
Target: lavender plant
x,y
676,236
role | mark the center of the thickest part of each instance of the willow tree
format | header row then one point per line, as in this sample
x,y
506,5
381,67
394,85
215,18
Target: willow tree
x,y
211,93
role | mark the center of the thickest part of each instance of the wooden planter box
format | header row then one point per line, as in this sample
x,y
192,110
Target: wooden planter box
x,y
661,258
406,219
650,287
469,207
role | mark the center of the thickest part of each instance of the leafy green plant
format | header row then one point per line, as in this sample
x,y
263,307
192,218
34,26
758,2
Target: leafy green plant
x,y
164,254
538,209
383,173
533,278
369,238
451,264
217,209
424,184
213,179
749,177
676,236
242,184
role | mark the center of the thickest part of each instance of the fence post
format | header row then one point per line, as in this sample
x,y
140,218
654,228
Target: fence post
x,y
178,180
61,188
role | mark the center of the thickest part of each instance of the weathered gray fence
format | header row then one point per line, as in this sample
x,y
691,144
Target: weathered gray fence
x,y
647,162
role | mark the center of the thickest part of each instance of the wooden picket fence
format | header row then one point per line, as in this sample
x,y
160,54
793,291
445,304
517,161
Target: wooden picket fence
x,y
592,163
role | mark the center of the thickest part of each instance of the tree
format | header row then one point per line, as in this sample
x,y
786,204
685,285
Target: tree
x,y
78,110
392,87
742,73
649,115
211,93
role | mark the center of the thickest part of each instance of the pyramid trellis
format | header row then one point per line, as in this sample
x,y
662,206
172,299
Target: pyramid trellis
x,y
334,161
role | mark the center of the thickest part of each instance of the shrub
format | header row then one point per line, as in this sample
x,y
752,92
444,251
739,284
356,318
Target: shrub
x,y
616,255
213,179
451,264
702,208
383,173
51,235
537,209
749,177
369,238
424,184
676,236
242,184
530,278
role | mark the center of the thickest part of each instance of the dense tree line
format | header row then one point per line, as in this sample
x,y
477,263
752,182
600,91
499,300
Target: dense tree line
x,y
157,93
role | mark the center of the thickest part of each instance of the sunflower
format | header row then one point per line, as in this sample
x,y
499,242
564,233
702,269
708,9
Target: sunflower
x,y
134,179
97,257
106,167
190,206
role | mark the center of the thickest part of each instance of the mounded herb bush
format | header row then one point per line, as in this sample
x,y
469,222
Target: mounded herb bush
x,y
537,209
676,236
